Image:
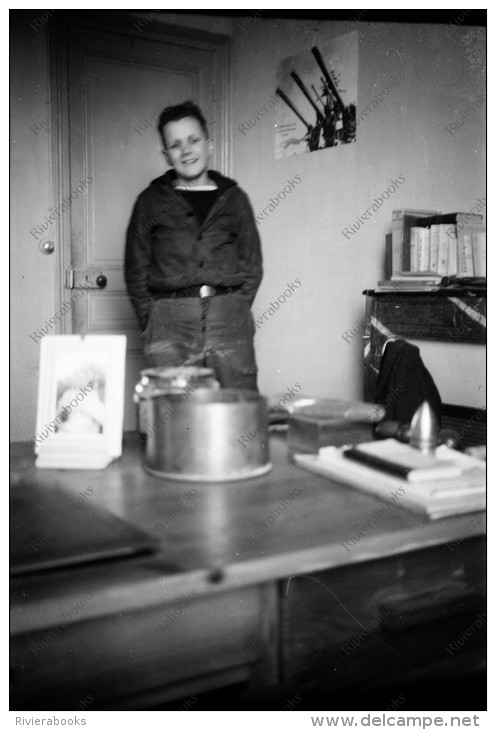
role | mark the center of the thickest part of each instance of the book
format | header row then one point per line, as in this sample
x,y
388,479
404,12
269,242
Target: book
x,y
80,532
417,276
472,283
445,229
415,233
451,232
435,499
402,221
388,268
465,255
424,249
434,249
403,460
462,224
462,221
428,242
479,252
412,283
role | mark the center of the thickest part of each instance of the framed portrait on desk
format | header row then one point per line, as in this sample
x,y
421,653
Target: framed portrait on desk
x,y
80,401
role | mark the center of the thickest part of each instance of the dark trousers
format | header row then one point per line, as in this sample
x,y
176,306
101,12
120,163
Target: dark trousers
x,y
214,332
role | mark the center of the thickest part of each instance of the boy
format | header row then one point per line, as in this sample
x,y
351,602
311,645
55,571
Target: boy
x,y
193,259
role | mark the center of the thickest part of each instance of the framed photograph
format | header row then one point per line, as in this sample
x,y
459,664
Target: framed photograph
x,y
80,401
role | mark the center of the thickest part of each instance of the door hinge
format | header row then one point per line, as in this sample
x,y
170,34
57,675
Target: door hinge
x,y
214,93
69,279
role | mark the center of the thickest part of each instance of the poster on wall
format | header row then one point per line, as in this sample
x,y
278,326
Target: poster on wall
x,y
317,92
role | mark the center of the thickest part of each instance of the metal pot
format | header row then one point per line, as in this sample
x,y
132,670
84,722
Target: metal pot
x,y
208,435
172,380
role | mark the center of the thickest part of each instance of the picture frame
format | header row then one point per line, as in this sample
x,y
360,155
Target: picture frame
x,y
80,401
316,97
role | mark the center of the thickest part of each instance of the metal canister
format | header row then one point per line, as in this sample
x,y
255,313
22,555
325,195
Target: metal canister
x,y
168,380
210,435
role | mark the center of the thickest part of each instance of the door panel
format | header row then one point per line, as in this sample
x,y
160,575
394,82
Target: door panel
x,y
116,86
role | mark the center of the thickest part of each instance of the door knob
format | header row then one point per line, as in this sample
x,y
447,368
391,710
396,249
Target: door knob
x,y
47,247
101,281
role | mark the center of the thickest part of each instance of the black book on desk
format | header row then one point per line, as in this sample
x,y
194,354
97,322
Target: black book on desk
x,y
50,528
402,461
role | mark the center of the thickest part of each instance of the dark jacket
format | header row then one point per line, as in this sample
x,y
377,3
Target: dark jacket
x,y
404,383
168,250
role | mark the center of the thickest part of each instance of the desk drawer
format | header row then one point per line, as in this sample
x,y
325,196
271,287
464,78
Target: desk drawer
x,y
140,652
377,621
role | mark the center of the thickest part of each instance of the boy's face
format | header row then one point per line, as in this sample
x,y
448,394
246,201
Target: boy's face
x,y
188,150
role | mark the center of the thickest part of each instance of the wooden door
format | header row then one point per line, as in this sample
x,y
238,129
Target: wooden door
x,y
113,85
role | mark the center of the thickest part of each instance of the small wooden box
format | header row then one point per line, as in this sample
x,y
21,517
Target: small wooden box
x,y
307,434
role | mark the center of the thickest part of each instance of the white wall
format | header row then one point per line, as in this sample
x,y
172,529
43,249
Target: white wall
x,y
302,239
459,371
442,75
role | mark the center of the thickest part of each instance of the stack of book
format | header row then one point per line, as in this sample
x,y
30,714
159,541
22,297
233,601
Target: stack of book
x,y
425,246
408,281
446,483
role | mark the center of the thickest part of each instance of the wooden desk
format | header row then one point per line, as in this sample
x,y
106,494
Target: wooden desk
x,y
286,580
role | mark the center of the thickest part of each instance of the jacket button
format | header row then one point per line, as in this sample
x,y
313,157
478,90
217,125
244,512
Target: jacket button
x,y
190,214
201,264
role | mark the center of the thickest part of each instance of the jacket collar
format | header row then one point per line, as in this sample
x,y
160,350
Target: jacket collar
x,y
223,183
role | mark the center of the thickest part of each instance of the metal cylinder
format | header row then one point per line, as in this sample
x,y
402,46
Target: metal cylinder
x,y
174,380
208,435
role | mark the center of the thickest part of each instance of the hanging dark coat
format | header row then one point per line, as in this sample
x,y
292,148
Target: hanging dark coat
x,y
404,383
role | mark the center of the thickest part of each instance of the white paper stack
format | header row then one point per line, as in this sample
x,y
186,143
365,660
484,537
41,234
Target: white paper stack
x,y
465,491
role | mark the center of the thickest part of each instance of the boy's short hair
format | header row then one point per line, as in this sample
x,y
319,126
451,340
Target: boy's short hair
x,y
181,111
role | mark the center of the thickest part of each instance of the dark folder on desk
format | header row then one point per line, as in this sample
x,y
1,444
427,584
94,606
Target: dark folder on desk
x,y
50,528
